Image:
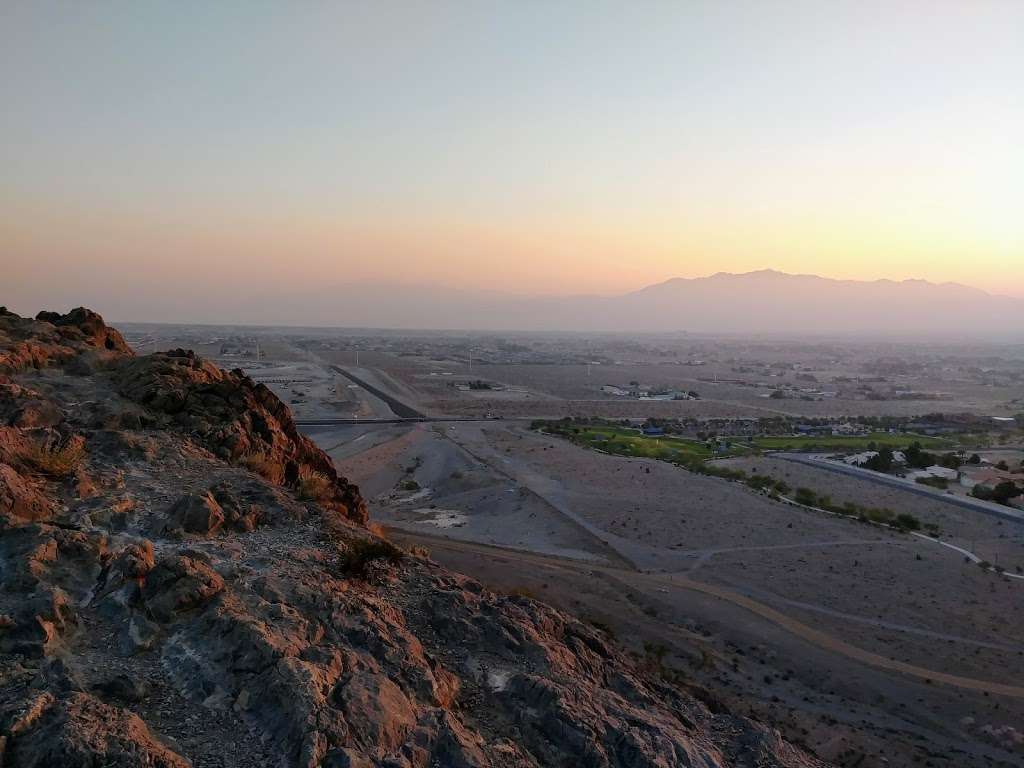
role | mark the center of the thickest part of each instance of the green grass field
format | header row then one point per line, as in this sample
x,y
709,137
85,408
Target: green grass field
x,y
851,443
628,442
624,441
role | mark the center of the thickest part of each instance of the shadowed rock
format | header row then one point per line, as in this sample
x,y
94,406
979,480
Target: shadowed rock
x,y
80,731
197,513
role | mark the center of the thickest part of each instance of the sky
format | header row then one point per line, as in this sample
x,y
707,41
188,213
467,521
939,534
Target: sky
x,y
158,155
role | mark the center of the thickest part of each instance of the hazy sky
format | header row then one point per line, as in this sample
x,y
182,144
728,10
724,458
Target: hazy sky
x,y
168,151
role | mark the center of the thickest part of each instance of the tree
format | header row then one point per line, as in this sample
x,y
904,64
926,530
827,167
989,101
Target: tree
x,y
1005,491
918,458
950,461
881,462
975,459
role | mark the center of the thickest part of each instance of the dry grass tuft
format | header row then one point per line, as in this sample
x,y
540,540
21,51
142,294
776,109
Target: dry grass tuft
x,y
362,553
263,465
313,485
53,460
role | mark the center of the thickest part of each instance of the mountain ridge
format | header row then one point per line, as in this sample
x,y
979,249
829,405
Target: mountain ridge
x,y
762,302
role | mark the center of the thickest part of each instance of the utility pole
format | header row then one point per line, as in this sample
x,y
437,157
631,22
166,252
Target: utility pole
x,y
357,357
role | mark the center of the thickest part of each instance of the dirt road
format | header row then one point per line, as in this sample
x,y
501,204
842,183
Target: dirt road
x,y
674,581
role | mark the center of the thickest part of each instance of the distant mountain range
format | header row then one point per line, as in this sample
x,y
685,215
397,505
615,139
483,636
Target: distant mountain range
x,y
765,301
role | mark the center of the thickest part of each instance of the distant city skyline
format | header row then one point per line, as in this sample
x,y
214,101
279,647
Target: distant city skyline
x,y
162,153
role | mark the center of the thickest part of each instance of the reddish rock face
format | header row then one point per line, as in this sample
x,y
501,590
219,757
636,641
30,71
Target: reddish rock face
x,y
54,338
21,500
235,418
198,513
85,325
80,731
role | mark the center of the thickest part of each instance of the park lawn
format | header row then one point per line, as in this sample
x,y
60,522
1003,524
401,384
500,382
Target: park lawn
x,y
628,442
852,442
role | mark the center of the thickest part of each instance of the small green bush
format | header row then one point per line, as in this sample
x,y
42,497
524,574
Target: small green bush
x,y
806,496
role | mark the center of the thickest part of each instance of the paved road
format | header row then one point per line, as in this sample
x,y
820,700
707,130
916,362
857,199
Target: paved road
x,y
402,410
975,505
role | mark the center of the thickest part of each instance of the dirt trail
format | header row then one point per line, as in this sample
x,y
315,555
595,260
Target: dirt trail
x,y
835,645
801,630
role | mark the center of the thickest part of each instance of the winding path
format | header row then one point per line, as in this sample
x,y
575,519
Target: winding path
x,y
674,581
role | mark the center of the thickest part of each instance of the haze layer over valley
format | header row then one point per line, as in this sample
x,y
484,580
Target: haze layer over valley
x,y
763,302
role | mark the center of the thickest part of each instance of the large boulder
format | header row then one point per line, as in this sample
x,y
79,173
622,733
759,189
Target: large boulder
x,y
197,513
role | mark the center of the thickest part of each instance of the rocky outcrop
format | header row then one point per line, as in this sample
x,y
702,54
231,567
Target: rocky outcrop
x,y
85,325
80,731
237,419
54,338
177,584
21,500
195,609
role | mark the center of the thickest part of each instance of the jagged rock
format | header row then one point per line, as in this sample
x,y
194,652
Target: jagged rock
x,y
87,325
134,561
80,731
236,418
39,621
55,339
245,512
197,513
179,583
33,413
21,500
379,715
345,758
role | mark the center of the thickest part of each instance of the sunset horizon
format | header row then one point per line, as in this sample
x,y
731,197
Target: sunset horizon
x,y
399,143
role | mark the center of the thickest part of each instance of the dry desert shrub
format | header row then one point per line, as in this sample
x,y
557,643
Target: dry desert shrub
x,y
313,485
51,459
263,465
362,553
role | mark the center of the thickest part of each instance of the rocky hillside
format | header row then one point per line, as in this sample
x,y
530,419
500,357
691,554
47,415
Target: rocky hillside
x,y
187,581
